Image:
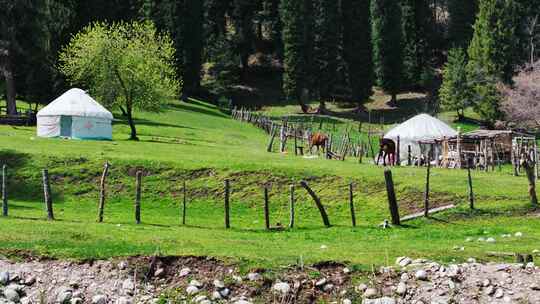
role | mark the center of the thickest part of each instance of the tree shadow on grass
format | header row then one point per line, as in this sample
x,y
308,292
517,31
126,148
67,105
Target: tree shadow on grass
x,y
150,123
198,107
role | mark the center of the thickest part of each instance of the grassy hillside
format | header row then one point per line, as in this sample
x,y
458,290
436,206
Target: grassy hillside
x,y
199,144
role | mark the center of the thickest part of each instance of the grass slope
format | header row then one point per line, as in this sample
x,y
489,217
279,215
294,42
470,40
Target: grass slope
x,y
198,143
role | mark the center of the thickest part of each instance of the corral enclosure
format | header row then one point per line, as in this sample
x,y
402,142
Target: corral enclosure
x,y
201,145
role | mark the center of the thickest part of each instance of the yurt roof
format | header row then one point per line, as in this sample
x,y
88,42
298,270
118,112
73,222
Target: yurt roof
x,y
421,127
75,102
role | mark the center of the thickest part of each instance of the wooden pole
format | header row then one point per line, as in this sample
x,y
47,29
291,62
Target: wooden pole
x,y
227,194
295,142
4,191
291,207
397,159
471,192
392,201
351,205
266,208
426,194
47,195
317,201
184,199
102,194
409,156
138,180
529,169
272,137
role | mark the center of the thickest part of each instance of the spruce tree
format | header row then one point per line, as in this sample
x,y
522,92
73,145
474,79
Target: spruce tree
x,y
462,17
416,23
310,81
455,92
357,48
326,47
193,39
492,48
293,39
387,45
492,54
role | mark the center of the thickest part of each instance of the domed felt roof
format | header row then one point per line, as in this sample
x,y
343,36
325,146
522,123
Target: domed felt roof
x,y
75,102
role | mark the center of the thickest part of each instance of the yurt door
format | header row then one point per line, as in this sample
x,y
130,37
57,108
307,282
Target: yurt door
x,y
65,126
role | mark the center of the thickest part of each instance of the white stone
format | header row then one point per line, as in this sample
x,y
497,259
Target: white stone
x,y
122,265
160,272
405,277
225,292
489,290
219,284
421,275
518,234
4,278
195,283
361,288
242,302
371,293
320,282
216,295
469,239
324,247
530,265
401,288
328,287
281,287
80,301
490,240
128,286
184,272
471,260
481,239
346,301
238,279
29,281
124,300
200,298
11,294
499,293
64,296
403,261
384,300
192,290
254,276
346,270
99,299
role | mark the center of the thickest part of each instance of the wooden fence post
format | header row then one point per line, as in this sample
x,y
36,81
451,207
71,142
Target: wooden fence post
x,y
291,207
471,192
426,194
138,180
47,195
351,204
409,156
266,208
529,167
392,201
317,201
227,194
184,199
4,191
397,158
102,192
272,137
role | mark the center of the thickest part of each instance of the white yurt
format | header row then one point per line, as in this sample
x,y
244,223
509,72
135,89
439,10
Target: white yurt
x,y
421,127
75,115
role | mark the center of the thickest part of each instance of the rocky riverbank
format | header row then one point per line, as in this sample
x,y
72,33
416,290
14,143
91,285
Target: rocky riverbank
x,y
206,280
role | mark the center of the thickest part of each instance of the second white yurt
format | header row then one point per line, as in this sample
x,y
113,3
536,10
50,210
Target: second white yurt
x,y
75,115
421,127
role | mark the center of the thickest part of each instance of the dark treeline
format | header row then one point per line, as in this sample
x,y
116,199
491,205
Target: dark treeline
x,y
259,50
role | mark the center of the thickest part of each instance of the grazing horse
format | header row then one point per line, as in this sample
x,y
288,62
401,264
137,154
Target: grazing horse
x,y
319,140
387,148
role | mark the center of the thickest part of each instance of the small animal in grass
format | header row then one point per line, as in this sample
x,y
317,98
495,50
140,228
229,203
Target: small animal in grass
x,y
318,140
387,149
384,224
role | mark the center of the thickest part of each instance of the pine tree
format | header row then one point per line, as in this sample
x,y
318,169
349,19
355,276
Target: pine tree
x,y
310,82
293,40
462,17
358,49
492,54
416,23
326,44
387,45
492,48
193,37
455,90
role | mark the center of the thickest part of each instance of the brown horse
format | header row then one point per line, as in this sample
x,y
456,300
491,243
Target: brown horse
x,y
387,148
319,140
